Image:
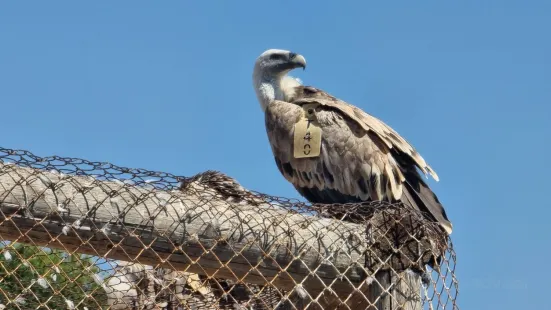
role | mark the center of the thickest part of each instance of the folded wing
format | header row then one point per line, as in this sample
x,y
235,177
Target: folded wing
x,y
361,159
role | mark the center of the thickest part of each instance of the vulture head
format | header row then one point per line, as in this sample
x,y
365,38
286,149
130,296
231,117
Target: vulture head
x,y
270,75
276,62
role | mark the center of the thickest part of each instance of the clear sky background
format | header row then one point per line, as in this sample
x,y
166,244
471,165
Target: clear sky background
x,y
166,86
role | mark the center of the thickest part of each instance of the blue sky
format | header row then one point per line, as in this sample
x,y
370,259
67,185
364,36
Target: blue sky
x,y
167,86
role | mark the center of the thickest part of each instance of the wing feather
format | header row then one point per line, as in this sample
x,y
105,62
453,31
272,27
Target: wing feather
x,y
349,162
361,157
389,136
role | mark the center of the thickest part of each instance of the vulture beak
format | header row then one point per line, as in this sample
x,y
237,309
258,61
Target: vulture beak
x,y
297,60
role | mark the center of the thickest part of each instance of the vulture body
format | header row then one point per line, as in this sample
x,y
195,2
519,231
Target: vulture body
x,y
360,158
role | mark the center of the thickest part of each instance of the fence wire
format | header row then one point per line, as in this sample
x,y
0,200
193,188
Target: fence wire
x,y
76,234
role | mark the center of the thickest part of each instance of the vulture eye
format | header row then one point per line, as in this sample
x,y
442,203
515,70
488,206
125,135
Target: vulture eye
x,y
277,56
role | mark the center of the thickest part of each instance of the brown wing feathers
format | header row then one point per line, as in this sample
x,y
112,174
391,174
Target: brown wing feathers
x,y
379,165
306,94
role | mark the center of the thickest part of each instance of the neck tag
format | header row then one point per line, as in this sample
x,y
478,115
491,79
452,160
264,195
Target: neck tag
x,y
307,139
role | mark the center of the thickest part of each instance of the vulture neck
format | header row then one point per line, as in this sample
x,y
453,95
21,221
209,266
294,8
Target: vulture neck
x,y
270,87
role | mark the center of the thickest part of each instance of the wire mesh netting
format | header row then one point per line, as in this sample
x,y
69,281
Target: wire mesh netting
x,y
77,234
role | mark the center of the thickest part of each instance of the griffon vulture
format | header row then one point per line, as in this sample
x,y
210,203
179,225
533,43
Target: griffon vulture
x,y
332,151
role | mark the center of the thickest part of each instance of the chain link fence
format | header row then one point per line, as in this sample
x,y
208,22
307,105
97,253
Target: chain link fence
x,y
76,234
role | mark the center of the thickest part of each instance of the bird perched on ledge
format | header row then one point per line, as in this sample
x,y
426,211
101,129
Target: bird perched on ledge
x,y
332,151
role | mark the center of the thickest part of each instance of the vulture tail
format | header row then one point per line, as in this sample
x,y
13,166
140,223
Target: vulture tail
x,y
417,194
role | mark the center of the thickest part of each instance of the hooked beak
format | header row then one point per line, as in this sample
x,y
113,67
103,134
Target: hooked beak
x,y
297,60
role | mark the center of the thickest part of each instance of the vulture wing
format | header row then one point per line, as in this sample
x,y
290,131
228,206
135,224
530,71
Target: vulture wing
x,y
361,158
